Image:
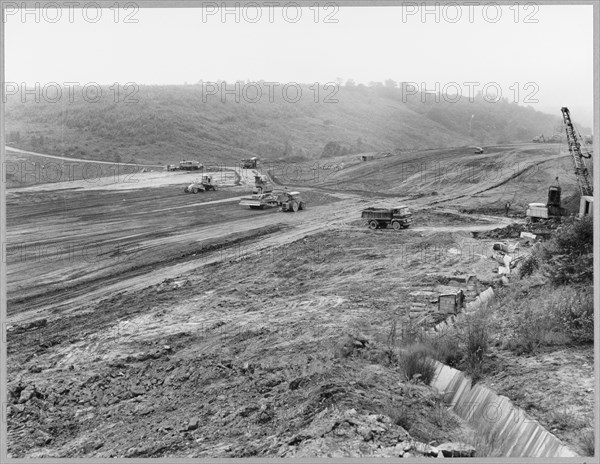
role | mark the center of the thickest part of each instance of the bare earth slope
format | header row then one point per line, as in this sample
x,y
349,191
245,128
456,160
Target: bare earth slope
x,y
144,322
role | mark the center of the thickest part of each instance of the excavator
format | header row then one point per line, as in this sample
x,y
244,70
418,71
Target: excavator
x,y
552,209
586,189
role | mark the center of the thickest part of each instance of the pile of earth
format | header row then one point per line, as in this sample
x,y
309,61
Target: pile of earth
x,y
510,231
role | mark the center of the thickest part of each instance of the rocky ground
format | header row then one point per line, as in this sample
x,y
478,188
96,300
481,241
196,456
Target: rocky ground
x,y
265,334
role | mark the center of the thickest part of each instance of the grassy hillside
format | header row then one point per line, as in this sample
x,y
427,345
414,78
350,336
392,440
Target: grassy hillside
x,y
169,123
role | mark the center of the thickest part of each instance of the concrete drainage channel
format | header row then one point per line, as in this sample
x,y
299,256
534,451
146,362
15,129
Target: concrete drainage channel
x,y
504,426
508,430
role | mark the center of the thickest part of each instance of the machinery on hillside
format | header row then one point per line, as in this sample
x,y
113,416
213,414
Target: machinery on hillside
x,y
539,139
185,165
586,188
291,201
190,165
287,201
556,138
552,208
250,163
380,218
262,185
206,183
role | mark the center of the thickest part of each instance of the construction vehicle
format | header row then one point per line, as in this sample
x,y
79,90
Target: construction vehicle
x,y
190,165
250,163
172,167
287,201
478,151
206,183
556,138
552,209
260,201
291,201
539,139
380,218
262,185
586,188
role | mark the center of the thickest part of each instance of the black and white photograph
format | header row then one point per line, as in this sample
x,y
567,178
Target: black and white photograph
x,y
299,230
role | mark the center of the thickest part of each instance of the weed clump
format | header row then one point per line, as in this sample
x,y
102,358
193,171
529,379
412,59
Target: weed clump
x,y
417,365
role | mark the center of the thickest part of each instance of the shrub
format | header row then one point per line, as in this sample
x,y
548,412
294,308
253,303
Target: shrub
x,y
573,311
446,348
529,266
552,316
565,269
477,341
417,364
575,238
588,440
571,253
476,346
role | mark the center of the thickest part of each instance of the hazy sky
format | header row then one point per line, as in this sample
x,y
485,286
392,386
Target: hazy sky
x,y
550,60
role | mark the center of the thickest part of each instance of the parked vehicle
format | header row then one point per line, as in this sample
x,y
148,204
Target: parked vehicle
x,y
190,165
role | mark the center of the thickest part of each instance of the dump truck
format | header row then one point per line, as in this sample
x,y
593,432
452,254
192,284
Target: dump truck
x,y
380,218
207,182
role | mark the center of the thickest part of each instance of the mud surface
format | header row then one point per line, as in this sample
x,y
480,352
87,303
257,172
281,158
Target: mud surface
x,y
144,322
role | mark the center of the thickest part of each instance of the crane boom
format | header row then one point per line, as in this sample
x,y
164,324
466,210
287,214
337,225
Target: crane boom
x,y
581,171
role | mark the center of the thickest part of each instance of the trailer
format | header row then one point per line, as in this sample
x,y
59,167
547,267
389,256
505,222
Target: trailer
x,y
190,165
287,201
260,201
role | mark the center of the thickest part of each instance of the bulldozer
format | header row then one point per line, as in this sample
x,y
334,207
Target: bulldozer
x,y
207,182
262,185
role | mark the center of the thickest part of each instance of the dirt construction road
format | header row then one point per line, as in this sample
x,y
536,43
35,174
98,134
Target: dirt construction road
x,y
68,247
136,311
